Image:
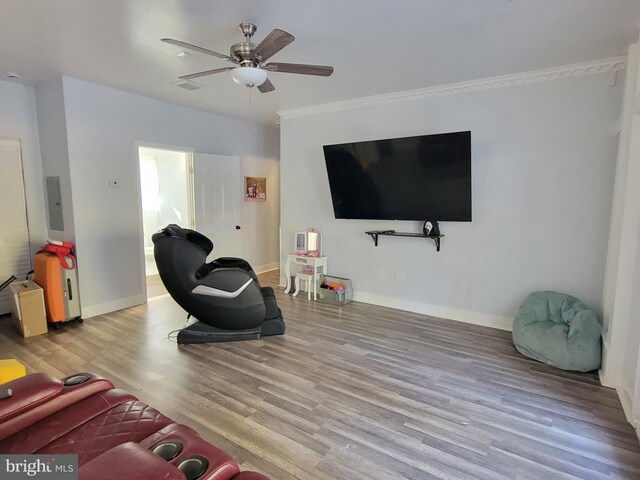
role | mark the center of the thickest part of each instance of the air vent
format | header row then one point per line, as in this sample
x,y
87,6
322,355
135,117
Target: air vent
x,y
187,85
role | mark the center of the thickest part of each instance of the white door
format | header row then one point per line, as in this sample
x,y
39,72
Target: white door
x,y
218,197
15,258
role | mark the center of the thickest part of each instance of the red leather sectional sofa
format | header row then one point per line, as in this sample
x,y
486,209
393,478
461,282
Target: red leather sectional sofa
x,y
114,434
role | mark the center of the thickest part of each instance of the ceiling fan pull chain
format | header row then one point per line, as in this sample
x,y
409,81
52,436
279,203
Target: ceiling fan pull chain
x,y
251,119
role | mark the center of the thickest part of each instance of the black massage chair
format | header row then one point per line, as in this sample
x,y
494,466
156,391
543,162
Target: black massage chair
x,y
224,295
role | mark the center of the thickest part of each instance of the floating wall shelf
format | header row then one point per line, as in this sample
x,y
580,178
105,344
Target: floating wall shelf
x,y
392,233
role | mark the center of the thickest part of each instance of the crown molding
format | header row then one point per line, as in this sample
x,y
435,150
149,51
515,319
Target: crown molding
x,y
605,65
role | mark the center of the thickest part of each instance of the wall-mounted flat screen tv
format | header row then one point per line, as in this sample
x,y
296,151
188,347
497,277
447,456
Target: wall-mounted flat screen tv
x,y
426,177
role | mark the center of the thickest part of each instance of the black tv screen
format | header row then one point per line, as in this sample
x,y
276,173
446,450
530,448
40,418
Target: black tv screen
x,y
426,177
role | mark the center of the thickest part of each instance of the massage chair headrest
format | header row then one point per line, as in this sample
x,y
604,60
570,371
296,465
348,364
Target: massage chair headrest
x,y
191,236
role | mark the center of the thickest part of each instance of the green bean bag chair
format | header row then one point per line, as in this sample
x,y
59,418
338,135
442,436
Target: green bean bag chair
x,y
559,330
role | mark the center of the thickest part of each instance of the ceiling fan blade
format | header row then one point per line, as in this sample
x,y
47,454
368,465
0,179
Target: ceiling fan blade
x,y
272,44
205,73
266,87
302,69
189,46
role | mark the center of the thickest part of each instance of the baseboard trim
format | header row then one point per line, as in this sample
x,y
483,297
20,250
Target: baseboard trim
x,y
626,400
604,375
459,315
108,307
267,267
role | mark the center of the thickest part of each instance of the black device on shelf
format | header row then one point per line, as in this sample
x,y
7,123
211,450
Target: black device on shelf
x,y
392,233
431,228
409,178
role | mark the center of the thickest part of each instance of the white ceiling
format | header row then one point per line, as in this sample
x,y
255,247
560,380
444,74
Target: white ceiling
x,y
376,47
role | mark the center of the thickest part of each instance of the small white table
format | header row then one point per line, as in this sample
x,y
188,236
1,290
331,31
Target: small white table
x,y
318,264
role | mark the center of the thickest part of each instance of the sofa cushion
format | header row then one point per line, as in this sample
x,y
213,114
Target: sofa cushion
x,y
129,461
131,421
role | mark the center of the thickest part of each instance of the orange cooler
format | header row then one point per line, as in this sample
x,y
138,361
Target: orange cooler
x,y
60,287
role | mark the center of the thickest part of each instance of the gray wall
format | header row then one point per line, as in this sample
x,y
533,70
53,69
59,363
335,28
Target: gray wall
x,y
543,168
102,127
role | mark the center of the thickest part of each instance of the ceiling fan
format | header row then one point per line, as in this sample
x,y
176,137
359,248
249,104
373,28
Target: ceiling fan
x,y
249,58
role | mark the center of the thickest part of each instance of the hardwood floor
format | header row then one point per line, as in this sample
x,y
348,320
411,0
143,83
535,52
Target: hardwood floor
x,y
359,392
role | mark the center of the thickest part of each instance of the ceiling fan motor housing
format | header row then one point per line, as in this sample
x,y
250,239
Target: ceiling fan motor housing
x,y
242,53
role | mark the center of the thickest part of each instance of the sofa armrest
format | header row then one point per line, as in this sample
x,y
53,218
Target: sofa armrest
x,y
27,393
39,395
131,461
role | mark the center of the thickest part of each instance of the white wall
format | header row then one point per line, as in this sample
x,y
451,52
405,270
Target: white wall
x,y
52,131
18,120
261,220
543,158
103,125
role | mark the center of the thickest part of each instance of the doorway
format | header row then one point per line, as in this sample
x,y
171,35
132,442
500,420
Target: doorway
x,y
166,188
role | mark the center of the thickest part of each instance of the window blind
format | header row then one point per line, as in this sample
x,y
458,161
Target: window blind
x,y
15,258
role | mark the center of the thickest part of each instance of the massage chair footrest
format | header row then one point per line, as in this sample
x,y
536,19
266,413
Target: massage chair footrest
x,y
272,326
200,332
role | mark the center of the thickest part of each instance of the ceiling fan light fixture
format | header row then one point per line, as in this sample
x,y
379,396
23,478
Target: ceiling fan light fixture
x,y
248,58
249,76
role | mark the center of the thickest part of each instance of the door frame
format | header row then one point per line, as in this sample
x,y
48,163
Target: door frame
x,y
190,192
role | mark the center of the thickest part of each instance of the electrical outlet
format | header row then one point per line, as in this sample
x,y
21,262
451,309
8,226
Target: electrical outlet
x,y
400,276
381,274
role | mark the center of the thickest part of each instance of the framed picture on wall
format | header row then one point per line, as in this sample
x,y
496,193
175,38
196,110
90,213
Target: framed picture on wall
x,y
255,189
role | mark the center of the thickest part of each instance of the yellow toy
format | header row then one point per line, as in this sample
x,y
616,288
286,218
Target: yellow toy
x,y
11,369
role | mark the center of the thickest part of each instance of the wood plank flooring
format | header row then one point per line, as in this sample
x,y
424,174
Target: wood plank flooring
x,y
359,392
